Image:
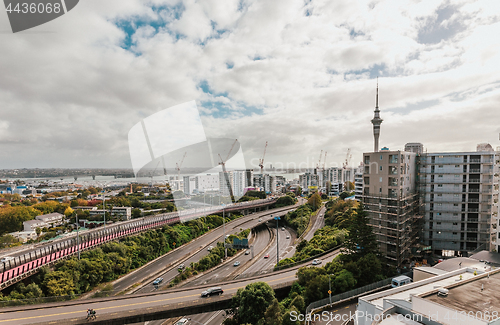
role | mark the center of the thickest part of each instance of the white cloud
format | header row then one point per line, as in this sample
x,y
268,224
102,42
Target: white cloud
x,y
300,76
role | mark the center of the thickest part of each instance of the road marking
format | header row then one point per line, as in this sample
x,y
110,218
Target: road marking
x,y
127,305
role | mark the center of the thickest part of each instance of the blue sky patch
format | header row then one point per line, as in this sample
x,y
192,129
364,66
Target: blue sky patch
x,y
405,110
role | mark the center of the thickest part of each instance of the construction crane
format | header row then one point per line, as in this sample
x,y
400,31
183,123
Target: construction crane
x,y
178,167
226,176
261,161
324,163
348,158
319,162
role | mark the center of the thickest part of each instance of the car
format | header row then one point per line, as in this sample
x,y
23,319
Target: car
x,y
266,256
236,263
283,228
182,321
181,267
157,281
316,262
247,252
287,236
260,219
212,292
210,248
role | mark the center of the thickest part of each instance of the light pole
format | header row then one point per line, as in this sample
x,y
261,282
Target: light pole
x,y
224,230
77,235
277,241
330,285
104,205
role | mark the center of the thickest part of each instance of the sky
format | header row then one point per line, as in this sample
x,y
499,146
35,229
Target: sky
x,y
301,75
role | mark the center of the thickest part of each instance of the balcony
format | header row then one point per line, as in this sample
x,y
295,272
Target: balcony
x,y
474,180
475,160
474,170
474,190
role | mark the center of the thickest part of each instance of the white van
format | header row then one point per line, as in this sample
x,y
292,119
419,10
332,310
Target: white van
x,y
400,280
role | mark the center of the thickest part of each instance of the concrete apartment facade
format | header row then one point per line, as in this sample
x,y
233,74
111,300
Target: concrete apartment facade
x,y
460,191
392,202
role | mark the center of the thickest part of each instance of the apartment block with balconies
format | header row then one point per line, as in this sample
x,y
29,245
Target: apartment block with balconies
x,y
391,200
459,194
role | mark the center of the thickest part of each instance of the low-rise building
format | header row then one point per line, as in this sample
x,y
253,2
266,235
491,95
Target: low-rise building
x,y
125,213
464,296
52,219
31,225
24,236
85,208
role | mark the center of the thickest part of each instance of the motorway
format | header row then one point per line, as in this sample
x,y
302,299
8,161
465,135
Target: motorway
x,y
287,249
166,266
64,313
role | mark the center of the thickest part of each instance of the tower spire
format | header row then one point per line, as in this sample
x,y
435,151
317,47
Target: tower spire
x,y
376,121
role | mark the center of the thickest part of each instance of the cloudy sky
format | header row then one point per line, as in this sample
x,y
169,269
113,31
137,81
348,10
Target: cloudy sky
x,y
300,74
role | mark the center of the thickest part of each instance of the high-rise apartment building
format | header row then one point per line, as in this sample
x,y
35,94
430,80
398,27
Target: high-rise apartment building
x,y
391,200
238,179
460,191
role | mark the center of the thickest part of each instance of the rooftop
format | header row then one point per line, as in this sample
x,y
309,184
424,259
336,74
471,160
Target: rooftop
x,y
477,295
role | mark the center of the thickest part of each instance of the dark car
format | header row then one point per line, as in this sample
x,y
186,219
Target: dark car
x,y
212,292
158,281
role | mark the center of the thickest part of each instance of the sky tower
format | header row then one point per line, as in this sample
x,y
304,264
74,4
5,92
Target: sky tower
x,y
376,121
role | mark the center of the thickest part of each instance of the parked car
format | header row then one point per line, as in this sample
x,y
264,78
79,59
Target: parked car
x,y
212,292
158,281
316,262
266,256
247,252
236,263
181,267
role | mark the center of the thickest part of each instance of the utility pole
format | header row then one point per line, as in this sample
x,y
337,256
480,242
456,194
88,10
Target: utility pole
x,y
104,205
277,241
330,290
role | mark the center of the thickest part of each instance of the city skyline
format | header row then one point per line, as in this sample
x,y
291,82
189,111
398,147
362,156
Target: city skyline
x,y
301,76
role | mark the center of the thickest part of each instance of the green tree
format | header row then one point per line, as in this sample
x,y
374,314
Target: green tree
x,y
288,316
361,240
250,304
298,191
314,201
272,316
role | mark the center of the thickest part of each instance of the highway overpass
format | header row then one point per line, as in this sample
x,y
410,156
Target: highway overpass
x,y
29,261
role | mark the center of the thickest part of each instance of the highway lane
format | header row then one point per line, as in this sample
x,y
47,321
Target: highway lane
x,y
64,314
177,256
205,318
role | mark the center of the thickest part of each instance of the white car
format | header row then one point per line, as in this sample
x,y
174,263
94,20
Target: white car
x,y
210,248
182,321
316,262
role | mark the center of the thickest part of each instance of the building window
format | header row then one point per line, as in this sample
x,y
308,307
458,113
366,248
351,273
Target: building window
x,y
380,168
457,166
380,179
440,175
440,166
380,190
454,233
440,185
455,214
440,195
455,223
438,213
438,223
381,157
455,204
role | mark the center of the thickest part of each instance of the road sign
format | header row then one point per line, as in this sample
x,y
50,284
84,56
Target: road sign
x,y
329,292
240,243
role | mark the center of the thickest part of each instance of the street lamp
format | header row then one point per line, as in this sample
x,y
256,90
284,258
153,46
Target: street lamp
x,y
277,240
224,231
77,235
